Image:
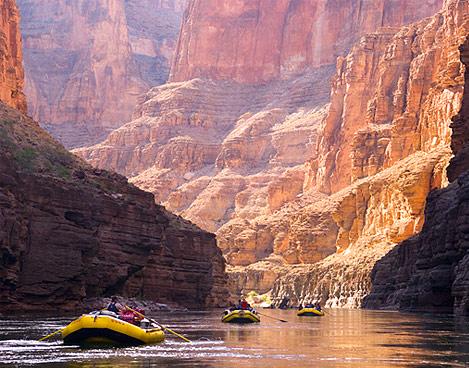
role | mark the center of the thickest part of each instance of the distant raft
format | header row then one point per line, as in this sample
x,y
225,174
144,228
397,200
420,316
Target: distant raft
x,y
107,330
240,316
310,312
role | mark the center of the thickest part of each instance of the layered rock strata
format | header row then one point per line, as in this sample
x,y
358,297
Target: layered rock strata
x,y
227,150
86,64
428,272
371,216
213,151
415,115
11,70
69,233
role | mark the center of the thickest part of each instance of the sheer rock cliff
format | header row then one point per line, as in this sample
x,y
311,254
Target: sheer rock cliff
x,y
428,272
414,118
260,41
11,70
86,63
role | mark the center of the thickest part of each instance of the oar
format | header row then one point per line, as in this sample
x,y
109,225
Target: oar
x,y
160,325
52,334
278,319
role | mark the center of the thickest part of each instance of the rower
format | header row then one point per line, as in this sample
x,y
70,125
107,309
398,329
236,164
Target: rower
x,y
114,306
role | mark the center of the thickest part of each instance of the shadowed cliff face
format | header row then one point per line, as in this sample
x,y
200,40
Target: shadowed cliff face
x,y
86,63
70,232
153,28
259,41
11,70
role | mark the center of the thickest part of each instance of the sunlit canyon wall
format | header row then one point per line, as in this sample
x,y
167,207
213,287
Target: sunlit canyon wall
x,y
305,182
428,272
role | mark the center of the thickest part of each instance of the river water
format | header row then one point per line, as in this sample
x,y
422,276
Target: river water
x,y
342,338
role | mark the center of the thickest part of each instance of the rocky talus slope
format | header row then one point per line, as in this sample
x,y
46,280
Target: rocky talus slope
x,y
87,62
11,70
428,272
69,232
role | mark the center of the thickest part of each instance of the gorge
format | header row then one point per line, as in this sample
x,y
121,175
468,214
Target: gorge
x,y
307,135
306,185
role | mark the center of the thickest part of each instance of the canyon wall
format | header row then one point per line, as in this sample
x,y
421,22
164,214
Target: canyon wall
x,y
153,28
428,272
224,152
410,112
213,151
228,150
86,63
11,70
69,232
259,41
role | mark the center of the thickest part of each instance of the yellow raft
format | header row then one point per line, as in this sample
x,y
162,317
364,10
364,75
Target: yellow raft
x,y
240,316
107,330
309,312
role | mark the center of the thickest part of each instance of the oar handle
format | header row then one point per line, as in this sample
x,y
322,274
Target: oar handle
x,y
52,334
278,319
152,320
167,329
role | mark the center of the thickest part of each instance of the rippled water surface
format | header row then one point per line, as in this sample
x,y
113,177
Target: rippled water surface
x,y
342,338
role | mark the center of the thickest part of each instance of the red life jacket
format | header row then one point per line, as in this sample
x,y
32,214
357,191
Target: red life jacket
x,y
244,304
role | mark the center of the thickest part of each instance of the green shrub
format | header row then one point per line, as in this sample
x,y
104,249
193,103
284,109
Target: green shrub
x,y
25,159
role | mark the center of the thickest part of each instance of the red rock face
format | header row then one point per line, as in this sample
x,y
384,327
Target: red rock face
x,y
258,41
11,70
428,272
78,65
396,155
394,95
86,65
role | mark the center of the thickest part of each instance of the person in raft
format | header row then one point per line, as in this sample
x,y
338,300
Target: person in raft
x,y
114,306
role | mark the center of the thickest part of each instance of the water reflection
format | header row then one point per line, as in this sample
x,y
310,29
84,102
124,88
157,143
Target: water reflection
x,y
342,338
